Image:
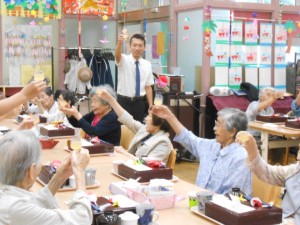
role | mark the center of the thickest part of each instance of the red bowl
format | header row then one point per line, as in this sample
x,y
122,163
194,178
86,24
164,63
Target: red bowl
x,y
48,143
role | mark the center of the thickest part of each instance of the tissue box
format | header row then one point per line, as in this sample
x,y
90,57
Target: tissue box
x,y
52,131
261,215
128,171
165,200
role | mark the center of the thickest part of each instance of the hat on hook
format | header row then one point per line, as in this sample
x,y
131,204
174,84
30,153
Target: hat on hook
x,y
85,74
67,66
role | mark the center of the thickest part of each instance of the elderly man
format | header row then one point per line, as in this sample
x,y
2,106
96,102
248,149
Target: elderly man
x,y
20,153
222,161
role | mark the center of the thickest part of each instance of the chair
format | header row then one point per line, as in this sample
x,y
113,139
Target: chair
x,y
172,159
266,192
126,136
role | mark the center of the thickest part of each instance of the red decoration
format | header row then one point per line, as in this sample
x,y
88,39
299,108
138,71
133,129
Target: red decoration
x,y
186,27
89,7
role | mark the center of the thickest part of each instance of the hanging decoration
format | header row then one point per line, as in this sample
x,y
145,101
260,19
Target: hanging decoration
x,y
89,7
290,27
280,11
186,27
254,26
123,10
208,26
105,40
145,19
31,8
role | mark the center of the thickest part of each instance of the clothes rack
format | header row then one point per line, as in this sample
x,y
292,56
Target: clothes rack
x,y
107,53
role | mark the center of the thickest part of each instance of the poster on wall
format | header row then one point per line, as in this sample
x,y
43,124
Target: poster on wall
x,y
236,54
89,7
279,55
32,8
250,55
26,45
222,54
235,77
280,34
265,55
250,32
222,31
266,33
236,32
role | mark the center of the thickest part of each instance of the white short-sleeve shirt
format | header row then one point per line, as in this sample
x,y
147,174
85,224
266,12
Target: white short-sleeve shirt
x,y
127,74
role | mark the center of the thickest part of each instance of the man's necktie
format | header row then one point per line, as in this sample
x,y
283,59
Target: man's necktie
x,y
137,79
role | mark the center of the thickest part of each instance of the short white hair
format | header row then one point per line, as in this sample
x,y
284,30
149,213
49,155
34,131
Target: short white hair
x,y
18,151
264,90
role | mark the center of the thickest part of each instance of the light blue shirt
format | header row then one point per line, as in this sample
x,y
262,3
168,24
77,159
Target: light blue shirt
x,y
295,108
220,170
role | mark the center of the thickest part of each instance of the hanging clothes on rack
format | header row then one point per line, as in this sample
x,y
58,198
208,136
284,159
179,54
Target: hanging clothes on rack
x,y
101,71
72,82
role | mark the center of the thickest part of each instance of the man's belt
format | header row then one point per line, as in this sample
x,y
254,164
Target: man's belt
x,y
132,99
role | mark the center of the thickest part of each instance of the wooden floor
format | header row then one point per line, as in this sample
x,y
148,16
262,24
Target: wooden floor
x,y
187,171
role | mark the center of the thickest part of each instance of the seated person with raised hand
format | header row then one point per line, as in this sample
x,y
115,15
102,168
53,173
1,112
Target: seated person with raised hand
x,y
101,122
30,91
46,106
295,106
150,140
20,153
222,161
284,176
267,96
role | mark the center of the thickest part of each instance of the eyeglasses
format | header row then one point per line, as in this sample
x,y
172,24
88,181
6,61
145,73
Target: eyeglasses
x,y
218,124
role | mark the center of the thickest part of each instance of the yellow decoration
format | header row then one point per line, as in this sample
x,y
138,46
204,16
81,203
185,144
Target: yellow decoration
x,y
33,13
299,24
105,17
40,23
290,30
207,30
46,19
27,72
160,43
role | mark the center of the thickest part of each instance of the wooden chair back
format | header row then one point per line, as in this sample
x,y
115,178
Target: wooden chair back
x,y
172,159
266,192
126,137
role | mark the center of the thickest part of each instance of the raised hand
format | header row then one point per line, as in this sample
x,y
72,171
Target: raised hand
x,y
33,89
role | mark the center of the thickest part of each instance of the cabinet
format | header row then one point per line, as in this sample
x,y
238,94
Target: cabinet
x,y
186,107
10,90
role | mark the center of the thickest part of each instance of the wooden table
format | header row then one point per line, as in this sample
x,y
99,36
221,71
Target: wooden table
x,y
292,136
180,214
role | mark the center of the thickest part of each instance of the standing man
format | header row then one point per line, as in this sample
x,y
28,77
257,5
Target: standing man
x,y
134,77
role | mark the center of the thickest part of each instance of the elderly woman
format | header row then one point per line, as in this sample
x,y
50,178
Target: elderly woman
x,y
46,106
150,140
101,122
267,96
222,161
20,153
284,176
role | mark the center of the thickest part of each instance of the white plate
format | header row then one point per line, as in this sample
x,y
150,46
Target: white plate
x,y
194,209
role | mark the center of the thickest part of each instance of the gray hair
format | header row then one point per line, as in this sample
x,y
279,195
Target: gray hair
x,y
106,87
234,118
18,151
264,90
